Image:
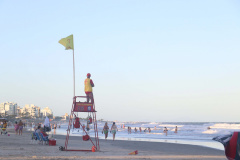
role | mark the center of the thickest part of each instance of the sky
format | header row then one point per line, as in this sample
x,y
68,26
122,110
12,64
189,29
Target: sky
x,y
150,60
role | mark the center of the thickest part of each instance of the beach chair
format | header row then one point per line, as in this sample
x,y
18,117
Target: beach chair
x,y
45,139
38,138
34,137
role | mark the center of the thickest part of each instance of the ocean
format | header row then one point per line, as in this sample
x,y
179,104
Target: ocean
x,y
194,133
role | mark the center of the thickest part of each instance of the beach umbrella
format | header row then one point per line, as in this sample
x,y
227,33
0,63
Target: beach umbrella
x,y
46,122
47,127
231,144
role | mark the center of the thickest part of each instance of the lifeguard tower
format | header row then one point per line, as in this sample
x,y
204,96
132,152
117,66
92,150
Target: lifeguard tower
x,y
79,106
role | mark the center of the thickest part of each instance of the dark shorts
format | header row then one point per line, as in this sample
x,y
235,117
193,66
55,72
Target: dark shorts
x,y
20,128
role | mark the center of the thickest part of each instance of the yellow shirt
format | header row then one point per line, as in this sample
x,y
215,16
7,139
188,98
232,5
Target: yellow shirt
x,y
88,86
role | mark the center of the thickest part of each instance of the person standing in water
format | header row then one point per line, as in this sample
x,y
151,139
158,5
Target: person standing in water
x,y
105,130
88,127
165,130
88,88
176,129
114,130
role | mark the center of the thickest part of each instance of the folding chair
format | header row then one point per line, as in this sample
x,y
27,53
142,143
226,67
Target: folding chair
x,y
45,139
38,138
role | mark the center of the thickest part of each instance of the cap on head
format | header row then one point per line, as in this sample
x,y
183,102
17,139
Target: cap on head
x,y
88,75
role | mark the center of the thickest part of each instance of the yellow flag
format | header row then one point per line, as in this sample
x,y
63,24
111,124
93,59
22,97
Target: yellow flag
x,y
67,42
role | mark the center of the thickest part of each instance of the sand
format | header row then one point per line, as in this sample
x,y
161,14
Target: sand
x,y
20,147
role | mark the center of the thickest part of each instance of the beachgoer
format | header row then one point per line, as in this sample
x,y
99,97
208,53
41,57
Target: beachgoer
x,y
16,127
20,124
176,129
88,128
149,129
165,130
88,88
114,130
105,130
129,130
4,126
140,129
83,127
155,128
135,129
38,130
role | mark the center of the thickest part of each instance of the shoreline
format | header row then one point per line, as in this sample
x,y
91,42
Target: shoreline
x,y
203,142
20,147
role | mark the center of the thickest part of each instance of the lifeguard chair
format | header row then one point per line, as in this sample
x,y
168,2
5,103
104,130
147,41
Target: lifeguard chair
x,y
80,106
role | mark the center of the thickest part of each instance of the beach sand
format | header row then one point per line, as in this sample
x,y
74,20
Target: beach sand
x,y
20,147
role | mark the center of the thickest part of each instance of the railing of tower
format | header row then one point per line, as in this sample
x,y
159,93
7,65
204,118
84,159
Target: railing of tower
x,y
95,125
70,122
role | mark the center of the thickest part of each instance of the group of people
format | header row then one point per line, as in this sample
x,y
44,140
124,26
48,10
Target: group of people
x,y
166,130
113,130
148,129
40,130
18,127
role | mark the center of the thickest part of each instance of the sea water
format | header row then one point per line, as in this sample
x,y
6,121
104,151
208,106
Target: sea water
x,y
194,133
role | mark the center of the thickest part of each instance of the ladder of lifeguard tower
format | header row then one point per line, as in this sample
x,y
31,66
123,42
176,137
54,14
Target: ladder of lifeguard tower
x,y
83,107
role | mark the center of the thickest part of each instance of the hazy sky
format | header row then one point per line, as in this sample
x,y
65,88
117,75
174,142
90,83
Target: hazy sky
x,y
151,60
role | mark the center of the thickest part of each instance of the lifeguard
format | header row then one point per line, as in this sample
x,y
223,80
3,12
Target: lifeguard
x,y
88,87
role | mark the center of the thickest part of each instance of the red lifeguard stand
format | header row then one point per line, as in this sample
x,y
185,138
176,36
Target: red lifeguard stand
x,y
79,106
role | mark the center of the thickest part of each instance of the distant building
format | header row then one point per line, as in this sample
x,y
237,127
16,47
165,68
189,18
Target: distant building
x,y
2,109
18,111
65,117
8,108
46,112
31,110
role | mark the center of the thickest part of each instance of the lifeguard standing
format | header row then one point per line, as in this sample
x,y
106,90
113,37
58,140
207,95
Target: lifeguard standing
x,y
88,87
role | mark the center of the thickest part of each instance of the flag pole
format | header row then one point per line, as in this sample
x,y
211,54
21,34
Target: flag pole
x,y
73,75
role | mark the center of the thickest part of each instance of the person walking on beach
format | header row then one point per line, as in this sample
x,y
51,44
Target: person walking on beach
x,y
16,127
140,129
114,130
105,130
88,88
20,124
